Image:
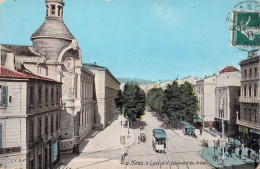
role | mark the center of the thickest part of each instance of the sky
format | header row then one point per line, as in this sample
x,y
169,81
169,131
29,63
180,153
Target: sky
x,y
147,39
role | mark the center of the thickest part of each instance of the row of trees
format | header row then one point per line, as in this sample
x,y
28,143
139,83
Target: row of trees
x,y
131,101
176,101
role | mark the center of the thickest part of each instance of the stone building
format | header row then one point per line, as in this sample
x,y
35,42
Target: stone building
x,y
227,99
205,90
30,111
107,87
248,118
55,54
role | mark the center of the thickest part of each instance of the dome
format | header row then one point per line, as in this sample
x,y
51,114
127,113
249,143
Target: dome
x,y
228,69
53,28
59,1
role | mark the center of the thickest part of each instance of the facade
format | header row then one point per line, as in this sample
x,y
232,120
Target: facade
x,y
30,111
107,87
227,99
248,118
55,54
205,90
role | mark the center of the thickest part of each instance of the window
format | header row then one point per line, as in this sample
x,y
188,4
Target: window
x,y
245,90
40,94
46,126
52,9
57,122
31,130
52,124
40,128
255,71
4,94
245,72
31,95
255,90
32,164
46,94
57,95
250,89
59,10
250,72
40,161
52,95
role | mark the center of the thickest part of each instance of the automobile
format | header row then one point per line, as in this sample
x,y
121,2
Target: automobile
x,y
142,137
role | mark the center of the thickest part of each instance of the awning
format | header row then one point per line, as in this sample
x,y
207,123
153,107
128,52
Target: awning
x,y
255,131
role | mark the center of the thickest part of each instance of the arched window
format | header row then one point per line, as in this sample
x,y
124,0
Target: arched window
x,y
52,9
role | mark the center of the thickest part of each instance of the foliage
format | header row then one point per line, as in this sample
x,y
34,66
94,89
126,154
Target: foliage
x,y
180,102
139,81
155,99
119,101
133,101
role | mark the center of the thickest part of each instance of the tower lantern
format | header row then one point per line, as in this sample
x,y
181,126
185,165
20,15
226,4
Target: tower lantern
x,y
54,9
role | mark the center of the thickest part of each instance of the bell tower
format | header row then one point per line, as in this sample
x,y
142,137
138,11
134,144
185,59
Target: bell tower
x,y
54,9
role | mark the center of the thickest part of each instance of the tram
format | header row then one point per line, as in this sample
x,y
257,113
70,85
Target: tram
x,y
159,140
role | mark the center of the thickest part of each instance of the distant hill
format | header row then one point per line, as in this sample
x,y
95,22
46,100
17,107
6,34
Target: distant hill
x,y
139,81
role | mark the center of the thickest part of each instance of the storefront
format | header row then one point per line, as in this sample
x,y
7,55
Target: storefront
x,y
54,152
218,124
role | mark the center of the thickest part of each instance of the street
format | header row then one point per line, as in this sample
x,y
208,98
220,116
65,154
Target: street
x,y
181,151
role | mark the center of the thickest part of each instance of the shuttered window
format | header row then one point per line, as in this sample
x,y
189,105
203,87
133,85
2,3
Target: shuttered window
x,y
4,93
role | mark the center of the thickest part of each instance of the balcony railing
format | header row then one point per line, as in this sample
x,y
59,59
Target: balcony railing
x,y
249,124
248,99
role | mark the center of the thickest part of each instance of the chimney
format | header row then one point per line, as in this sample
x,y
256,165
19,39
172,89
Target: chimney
x,y
9,61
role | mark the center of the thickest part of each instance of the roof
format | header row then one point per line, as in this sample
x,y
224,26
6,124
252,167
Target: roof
x,y
20,50
228,69
101,68
60,1
19,74
53,28
159,133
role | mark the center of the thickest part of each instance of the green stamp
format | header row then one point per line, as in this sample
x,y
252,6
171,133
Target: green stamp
x,y
245,28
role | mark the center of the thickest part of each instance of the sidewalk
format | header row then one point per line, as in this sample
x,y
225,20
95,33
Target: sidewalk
x,y
107,139
244,162
206,134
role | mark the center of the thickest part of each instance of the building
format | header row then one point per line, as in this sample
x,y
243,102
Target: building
x,y
107,87
205,90
248,118
55,54
30,111
227,99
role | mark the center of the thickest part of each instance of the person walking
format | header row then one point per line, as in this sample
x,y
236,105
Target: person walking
x,y
240,152
230,152
248,152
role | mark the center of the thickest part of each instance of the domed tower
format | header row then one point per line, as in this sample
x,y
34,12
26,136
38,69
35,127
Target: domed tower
x,y
53,35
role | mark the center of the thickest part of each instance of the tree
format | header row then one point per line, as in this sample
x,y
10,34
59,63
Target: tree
x,y
189,101
119,101
134,101
172,102
155,99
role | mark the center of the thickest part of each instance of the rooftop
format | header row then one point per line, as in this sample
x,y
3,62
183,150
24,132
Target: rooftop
x,y
19,74
20,50
228,69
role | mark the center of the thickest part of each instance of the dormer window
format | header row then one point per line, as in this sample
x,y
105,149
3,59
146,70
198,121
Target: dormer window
x,y
52,9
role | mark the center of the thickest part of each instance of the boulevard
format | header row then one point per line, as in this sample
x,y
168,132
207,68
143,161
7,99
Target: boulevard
x,y
181,151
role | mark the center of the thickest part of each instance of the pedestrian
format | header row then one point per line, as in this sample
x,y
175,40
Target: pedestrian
x,y
240,152
255,163
248,152
230,152
200,131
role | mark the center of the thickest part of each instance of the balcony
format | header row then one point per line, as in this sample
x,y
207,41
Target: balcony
x,y
248,99
249,124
